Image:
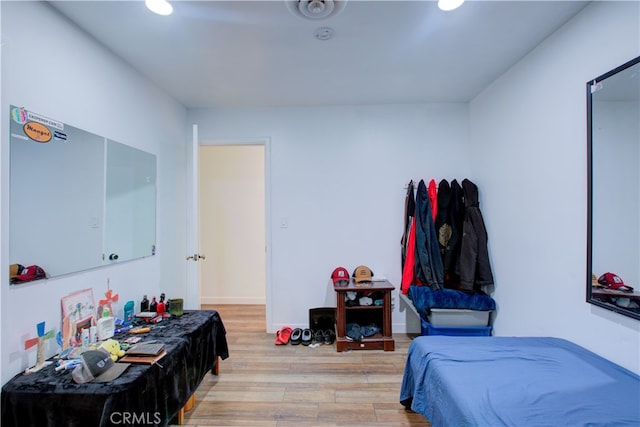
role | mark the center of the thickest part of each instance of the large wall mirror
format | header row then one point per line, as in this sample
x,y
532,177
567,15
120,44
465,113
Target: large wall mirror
x,y
613,156
77,200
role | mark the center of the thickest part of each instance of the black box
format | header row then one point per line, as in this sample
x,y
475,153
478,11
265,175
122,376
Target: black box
x,y
322,318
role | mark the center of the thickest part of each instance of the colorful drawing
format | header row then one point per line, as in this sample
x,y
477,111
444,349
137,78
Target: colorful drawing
x,y
78,312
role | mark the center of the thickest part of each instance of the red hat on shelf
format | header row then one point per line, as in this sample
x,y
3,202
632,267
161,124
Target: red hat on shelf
x,y
614,282
340,274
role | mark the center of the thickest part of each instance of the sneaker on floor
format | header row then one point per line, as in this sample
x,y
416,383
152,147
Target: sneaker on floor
x,y
307,337
296,336
329,336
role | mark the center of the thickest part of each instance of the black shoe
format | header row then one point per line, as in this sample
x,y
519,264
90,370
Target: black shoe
x,y
306,337
319,337
329,336
296,336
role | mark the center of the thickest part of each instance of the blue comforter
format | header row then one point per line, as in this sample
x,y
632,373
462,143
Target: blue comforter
x,y
516,381
424,299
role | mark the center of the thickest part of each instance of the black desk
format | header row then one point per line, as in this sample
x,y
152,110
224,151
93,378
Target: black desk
x,y
142,395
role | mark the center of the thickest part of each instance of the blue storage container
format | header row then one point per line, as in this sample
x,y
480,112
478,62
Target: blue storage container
x,y
428,329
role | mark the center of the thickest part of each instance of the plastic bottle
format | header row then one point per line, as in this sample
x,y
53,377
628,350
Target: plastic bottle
x,y
161,306
144,304
128,313
154,305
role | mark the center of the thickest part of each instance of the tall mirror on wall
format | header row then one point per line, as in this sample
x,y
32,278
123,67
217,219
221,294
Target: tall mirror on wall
x,y
613,215
130,203
77,200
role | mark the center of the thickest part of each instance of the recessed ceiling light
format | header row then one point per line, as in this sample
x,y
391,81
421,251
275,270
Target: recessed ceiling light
x,y
161,7
449,4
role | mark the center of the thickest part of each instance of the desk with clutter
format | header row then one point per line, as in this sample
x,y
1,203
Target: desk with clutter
x,y
149,393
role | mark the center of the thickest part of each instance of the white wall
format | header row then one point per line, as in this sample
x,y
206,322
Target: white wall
x,y
338,177
529,149
53,68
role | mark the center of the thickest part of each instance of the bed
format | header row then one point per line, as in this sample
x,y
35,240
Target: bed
x,y
516,381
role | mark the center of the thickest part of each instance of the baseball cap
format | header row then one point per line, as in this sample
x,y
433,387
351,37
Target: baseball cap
x,y
362,273
340,274
594,281
614,282
98,367
27,274
14,270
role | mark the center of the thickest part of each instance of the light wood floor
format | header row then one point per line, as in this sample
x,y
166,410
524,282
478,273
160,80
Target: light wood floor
x,y
262,384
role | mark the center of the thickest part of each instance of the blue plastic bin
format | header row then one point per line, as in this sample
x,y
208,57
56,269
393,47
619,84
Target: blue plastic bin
x,y
458,331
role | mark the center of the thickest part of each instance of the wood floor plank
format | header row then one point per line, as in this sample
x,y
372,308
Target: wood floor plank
x,y
266,385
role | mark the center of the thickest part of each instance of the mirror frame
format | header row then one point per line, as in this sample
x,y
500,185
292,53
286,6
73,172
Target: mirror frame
x,y
589,294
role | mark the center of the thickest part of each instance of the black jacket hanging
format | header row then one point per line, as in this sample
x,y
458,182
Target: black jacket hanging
x,y
455,217
428,266
473,266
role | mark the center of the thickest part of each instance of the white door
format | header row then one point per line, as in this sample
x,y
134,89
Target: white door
x,y
193,292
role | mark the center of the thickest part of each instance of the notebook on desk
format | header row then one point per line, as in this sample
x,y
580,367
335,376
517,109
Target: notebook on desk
x,y
145,360
144,349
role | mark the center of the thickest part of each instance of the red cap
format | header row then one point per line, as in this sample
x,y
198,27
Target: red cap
x,y
339,274
27,274
614,282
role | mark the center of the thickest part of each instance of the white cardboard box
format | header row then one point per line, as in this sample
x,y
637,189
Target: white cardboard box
x,y
458,317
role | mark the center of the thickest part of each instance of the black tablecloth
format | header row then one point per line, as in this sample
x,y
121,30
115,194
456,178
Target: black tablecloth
x,y
142,395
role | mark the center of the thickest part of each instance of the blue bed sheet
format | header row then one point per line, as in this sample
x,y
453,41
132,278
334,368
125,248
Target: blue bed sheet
x,y
516,381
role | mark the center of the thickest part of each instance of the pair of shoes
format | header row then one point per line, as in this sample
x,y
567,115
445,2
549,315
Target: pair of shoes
x,y
283,335
307,337
296,336
325,337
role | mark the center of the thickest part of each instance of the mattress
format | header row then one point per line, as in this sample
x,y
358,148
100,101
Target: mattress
x,y
516,381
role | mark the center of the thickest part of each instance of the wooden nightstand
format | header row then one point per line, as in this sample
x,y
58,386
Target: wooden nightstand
x,y
365,315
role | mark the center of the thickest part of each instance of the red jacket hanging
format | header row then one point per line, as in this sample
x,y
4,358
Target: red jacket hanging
x,y
408,276
433,198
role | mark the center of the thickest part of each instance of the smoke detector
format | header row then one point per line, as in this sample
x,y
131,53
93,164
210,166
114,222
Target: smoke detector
x,y
323,33
315,9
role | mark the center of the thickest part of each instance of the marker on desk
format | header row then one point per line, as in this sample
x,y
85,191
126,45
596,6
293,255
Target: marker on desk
x,y
139,330
68,364
124,328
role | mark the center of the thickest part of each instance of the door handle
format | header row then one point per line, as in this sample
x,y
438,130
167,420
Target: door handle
x,y
196,257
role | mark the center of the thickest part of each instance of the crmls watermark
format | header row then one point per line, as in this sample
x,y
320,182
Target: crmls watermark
x,y
135,418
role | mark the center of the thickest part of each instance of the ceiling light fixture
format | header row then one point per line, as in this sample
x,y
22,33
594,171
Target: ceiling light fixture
x,y
449,4
161,7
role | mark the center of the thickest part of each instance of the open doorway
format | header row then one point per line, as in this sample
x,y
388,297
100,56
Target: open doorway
x,y
231,223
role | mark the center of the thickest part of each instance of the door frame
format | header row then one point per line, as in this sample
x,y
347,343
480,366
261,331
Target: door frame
x,y
266,143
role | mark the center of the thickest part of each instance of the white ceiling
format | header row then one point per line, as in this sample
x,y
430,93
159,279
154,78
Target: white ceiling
x,y
258,53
